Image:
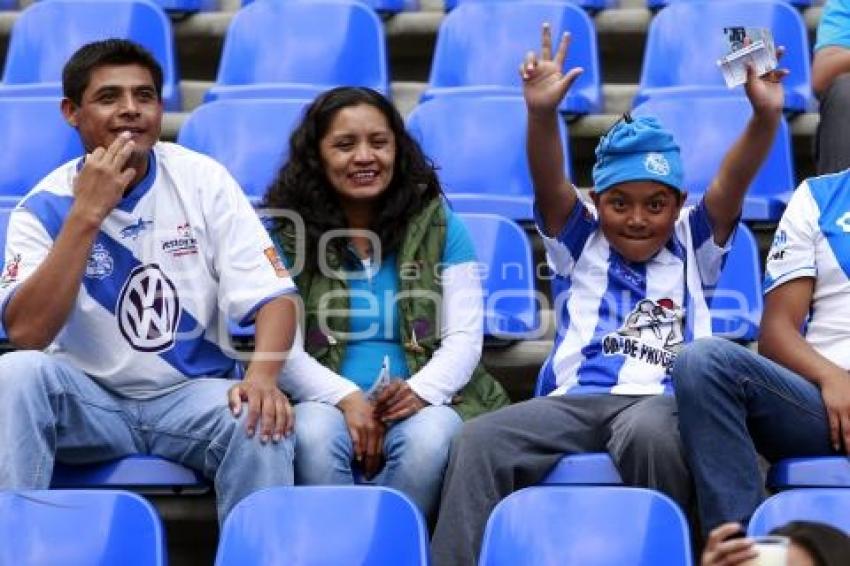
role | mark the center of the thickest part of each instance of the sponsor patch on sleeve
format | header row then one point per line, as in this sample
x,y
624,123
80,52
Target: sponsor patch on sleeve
x,y
277,263
10,271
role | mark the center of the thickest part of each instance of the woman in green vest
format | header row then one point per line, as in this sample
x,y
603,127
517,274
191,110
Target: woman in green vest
x,y
387,362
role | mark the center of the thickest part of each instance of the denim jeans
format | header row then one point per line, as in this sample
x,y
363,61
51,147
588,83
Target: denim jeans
x,y
734,404
50,409
416,451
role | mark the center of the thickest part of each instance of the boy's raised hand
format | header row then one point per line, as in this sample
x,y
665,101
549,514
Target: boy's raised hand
x,y
544,83
766,93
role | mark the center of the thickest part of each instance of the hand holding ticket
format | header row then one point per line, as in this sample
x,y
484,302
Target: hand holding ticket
x,y
747,46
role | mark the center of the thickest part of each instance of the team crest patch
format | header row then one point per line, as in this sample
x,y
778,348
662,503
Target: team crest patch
x,y
10,271
100,263
148,309
657,164
184,244
134,230
652,333
277,263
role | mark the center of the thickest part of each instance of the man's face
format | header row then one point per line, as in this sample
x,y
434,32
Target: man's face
x,y
118,98
638,217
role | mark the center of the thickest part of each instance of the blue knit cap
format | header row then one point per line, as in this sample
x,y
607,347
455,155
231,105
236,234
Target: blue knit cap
x,y
637,149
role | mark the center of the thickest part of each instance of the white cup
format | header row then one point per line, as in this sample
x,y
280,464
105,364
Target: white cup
x,y
773,551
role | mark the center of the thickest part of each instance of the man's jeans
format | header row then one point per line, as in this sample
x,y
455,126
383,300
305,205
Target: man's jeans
x,y
416,451
50,409
734,403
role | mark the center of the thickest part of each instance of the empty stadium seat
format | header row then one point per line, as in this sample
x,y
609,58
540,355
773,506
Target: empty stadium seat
x,y
736,302
35,140
586,525
249,137
827,505
590,5
824,471
481,44
655,4
299,49
504,254
383,6
592,468
478,148
79,527
705,128
47,33
678,62
324,525
149,474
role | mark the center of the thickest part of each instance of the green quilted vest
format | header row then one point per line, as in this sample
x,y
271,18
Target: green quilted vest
x,y
419,293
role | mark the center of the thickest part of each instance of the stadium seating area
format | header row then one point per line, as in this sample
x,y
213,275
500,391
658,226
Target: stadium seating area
x,y
236,80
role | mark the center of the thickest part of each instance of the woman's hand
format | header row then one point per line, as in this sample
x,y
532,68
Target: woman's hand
x,y
544,84
720,550
397,401
366,431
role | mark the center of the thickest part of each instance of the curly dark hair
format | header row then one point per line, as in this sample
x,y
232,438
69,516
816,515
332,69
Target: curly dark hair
x,y
303,187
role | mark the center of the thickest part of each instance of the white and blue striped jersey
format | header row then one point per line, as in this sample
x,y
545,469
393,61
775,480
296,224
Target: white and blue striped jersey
x,y
813,240
621,324
180,254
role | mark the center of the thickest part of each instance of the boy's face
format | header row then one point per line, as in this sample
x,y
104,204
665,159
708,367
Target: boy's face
x,y
118,98
637,217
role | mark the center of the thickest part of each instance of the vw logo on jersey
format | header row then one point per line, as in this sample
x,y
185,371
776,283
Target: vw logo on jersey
x,y
148,309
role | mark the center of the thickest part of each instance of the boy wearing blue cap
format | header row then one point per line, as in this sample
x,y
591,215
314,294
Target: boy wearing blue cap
x,y
632,268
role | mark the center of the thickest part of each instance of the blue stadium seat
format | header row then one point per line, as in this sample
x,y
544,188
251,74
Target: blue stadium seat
x,y
824,471
590,5
273,50
382,6
8,5
477,145
591,526
736,302
148,474
250,137
592,468
706,127
827,505
503,250
684,63
370,526
47,33
655,4
481,44
79,527
35,140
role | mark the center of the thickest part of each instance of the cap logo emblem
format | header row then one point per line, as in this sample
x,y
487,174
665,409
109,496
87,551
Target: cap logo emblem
x,y
657,164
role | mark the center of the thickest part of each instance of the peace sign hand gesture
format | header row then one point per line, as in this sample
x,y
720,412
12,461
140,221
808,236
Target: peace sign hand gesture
x,y
544,84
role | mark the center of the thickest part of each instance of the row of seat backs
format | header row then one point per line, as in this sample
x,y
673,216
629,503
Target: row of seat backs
x,y
534,525
295,49
476,142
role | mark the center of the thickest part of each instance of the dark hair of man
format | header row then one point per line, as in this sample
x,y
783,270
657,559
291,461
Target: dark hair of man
x,y
302,185
77,72
827,545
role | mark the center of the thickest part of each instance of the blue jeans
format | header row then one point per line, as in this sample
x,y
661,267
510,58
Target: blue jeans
x,y
416,451
50,409
734,403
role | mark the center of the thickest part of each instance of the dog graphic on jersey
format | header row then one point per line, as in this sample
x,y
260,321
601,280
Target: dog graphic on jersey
x,y
656,322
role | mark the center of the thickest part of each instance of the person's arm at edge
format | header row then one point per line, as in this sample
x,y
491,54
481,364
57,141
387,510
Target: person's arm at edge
x,y
828,63
785,311
725,196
